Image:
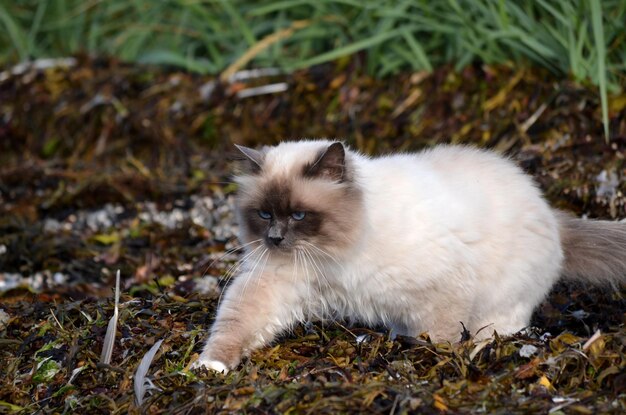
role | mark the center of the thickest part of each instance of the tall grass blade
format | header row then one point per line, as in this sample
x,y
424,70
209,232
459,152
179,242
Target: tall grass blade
x,y
109,338
36,24
16,33
418,51
167,57
598,35
348,49
242,25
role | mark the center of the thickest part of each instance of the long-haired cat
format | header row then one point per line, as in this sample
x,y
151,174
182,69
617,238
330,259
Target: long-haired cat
x,y
417,242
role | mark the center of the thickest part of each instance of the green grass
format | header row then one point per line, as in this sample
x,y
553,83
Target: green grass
x,y
582,38
573,36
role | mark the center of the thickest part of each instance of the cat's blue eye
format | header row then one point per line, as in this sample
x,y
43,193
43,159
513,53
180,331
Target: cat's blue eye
x,y
298,215
264,214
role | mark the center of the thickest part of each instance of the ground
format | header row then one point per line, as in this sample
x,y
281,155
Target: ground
x,y
106,166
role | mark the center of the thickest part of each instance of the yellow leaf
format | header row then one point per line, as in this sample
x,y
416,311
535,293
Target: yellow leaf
x,y
107,239
167,280
562,341
568,338
178,298
338,81
545,382
597,347
439,402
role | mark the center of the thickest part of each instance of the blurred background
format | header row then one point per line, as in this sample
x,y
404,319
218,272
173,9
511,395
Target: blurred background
x,y
118,117
486,43
581,39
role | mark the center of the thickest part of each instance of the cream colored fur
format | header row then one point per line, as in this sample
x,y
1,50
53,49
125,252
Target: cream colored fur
x,y
449,235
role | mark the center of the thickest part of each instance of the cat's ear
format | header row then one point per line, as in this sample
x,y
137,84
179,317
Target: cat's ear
x,y
254,156
330,164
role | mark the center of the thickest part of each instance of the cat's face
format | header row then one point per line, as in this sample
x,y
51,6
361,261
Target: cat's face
x,y
299,195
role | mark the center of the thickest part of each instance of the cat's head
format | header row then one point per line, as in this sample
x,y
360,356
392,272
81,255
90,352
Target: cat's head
x,y
299,194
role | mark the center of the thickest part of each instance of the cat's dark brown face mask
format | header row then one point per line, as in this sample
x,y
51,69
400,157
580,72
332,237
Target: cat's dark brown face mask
x,y
311,205
280,221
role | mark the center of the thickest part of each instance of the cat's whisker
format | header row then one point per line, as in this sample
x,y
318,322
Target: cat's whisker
x,y
252,274
317,272
309,271
228,252
295,273
305,272
258,280
323,252
237,265
232,250
318,268
234,269
326,308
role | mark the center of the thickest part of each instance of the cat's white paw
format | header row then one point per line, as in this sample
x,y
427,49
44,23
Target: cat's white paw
x,y
210,364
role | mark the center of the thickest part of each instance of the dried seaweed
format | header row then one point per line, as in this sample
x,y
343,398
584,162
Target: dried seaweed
x,y
108,166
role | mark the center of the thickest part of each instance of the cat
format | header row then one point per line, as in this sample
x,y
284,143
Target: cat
x,y
416,242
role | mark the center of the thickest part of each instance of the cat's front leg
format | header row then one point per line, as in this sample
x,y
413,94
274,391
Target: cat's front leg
x,y
255,308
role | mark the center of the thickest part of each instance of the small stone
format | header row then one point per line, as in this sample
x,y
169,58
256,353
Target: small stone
x,y
607,183
527,350
10,280
51,225
58,278
580,314
201,212
207,285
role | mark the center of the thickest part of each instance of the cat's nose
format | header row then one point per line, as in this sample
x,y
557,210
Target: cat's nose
x,y
276,240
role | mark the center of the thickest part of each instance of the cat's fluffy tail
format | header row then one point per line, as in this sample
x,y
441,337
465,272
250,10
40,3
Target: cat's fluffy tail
x,y
595,250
